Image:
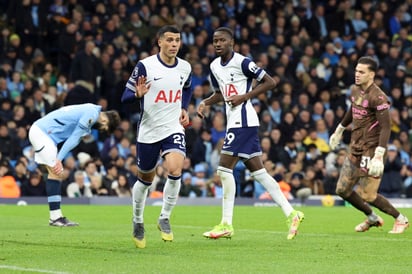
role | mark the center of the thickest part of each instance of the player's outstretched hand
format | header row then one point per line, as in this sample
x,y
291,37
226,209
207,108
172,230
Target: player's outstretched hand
x,y
141,86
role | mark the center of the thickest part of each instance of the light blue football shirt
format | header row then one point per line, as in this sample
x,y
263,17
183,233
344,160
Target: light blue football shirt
x,y
69,124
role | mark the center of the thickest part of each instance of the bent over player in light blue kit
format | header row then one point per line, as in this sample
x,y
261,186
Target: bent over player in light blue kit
x,y
232,75
66,125
161,83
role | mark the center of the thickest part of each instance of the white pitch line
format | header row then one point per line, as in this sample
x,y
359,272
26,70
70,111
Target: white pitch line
x,y
17,268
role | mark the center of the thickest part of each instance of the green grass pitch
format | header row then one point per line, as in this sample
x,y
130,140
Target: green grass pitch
x,y
102,243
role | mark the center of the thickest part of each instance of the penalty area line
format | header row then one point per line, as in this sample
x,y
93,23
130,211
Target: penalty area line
x,y
18,268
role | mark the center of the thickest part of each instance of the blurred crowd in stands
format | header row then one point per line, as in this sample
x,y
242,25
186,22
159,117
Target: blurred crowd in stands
x,y
61,52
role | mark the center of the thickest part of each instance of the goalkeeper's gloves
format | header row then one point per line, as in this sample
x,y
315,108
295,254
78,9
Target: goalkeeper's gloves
x,y
376,165
334,139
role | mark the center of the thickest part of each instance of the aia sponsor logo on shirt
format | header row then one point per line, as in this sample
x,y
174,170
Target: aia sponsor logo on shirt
x,y
230,90
170,96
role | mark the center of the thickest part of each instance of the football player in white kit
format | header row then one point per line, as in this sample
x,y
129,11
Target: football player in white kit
x,y
161,83
65,125
232,75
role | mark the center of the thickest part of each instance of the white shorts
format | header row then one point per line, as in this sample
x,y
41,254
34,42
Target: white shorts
x,y
45,150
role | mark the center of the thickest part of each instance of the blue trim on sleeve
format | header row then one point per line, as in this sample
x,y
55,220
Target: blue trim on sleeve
x,y
215,84
252,71
129,92
129,96
186,96
187,92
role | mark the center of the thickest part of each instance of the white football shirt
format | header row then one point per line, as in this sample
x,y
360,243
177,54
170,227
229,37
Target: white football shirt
x,y
162,105
235,78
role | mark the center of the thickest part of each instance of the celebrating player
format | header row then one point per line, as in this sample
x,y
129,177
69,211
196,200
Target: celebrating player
x,y
161,83
364,164
67,124
232,75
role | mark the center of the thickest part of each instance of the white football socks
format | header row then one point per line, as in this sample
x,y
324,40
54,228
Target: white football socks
x,y
270,184
229,191
55,214
139,195
170,196
402,218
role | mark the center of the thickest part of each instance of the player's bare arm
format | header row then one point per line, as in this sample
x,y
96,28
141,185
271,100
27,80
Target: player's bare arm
x,y
141,86
215,98
264,85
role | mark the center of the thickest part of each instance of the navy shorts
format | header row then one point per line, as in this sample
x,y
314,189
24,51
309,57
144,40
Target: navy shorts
x,y
148,154
242,142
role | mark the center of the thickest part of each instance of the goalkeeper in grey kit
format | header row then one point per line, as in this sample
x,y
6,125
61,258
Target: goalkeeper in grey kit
x,y
364,164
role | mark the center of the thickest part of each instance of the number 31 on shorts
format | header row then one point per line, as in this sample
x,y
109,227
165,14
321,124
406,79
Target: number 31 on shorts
x,y
365,162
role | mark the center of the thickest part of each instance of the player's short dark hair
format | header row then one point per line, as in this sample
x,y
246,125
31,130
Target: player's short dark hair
x,y
114,120
167,28
370,62
225,29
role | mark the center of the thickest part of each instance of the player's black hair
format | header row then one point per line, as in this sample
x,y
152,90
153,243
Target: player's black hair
x,y
167,28
225,29
370,62
114,120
